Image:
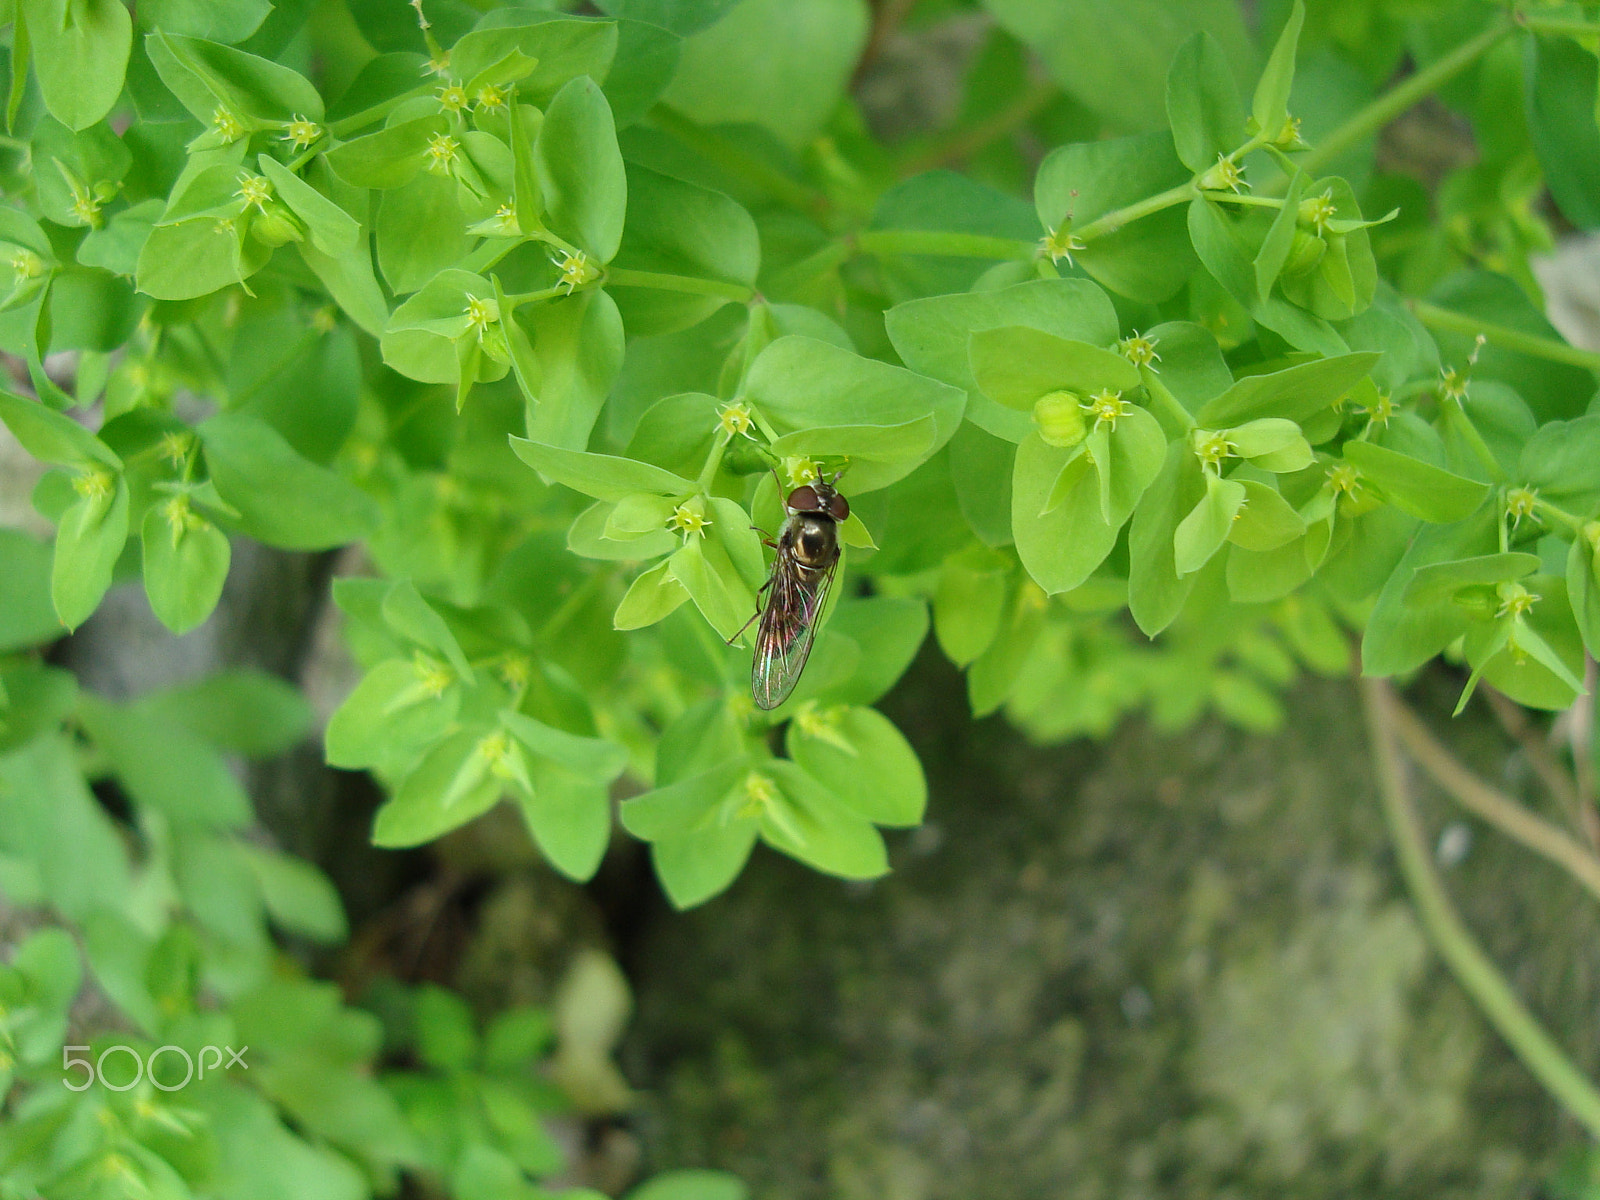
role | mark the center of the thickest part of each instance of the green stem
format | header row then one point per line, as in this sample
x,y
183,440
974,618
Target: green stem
x,y
1473,969
1505,336
1572,521
1117,218
1246,199
813,266
737,292
1557,25
1402,96
377,112
713,460
951,245
516,301
579,599
740,163
1456,414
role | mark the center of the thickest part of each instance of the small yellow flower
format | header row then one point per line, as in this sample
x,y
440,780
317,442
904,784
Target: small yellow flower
x,y
576,270
254,190
506,215
442,152
1344,479
1105,406
180,518
438,65
1453,384
1516,600
760,794
799,470
1060,243
1225,175
495,749
481,314
689,521
223,227
86,208
301,132
1381,410
1317,211
490,98
1212,447
734,418
1521,502
820,723
25,264
174,446
325,319
514,670
228,126
94,485
433,675
1139,350
1289,136
452,97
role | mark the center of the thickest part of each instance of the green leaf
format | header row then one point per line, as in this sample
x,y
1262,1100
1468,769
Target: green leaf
x,y
678,228
692,1185
299,898
1062,547
426,334
229,23
1203,104
1112,55
581,180
185,566
1440,581
54,437
1561,80
1221,246
1265,521
968,605
1270,105
389,158
800,383
390,718
586,757
420,232
578,348
243,711
654,595
449,787
683,805
1583,590
1148,259
34,699
89,540
413,618
164,766
205,77
714,583
1275,247
351,282
807,823
1559,459
770,63
1416,487
693,867
931,335
1015,365
909,441
564,47
1295,393
1156,591
80,54
603,476
279,497
1400,637
865,762
569,816
1201,534
645,62
27,616
333,231
888,630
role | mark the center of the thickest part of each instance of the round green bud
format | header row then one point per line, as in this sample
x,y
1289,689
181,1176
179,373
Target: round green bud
x,y
1305,252
1060,419
275,225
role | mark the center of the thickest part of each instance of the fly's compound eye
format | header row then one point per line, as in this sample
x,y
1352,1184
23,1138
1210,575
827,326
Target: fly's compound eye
x,y
838,507
804,499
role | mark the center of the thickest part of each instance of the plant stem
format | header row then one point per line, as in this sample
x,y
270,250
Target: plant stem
x,y
1514,720
1118,217
813,266
1473,969
377,112
740,163
1500,810
1402,96
1505,336
1246,199
940,242
1558,25
737,292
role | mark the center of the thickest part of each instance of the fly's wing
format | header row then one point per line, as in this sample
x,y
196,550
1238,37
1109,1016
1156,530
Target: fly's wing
x,y
788,628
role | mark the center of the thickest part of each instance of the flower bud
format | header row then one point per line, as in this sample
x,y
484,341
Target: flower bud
x,y
1305,252
276,225
1059,419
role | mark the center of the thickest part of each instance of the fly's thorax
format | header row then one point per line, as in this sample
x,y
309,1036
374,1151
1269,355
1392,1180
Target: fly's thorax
x,y
814,539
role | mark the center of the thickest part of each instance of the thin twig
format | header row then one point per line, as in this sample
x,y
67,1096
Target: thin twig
x,y
1505,814
1514,720
1473,969
1580,737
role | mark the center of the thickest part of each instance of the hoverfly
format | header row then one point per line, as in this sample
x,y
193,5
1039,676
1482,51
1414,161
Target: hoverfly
x,y
802,573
